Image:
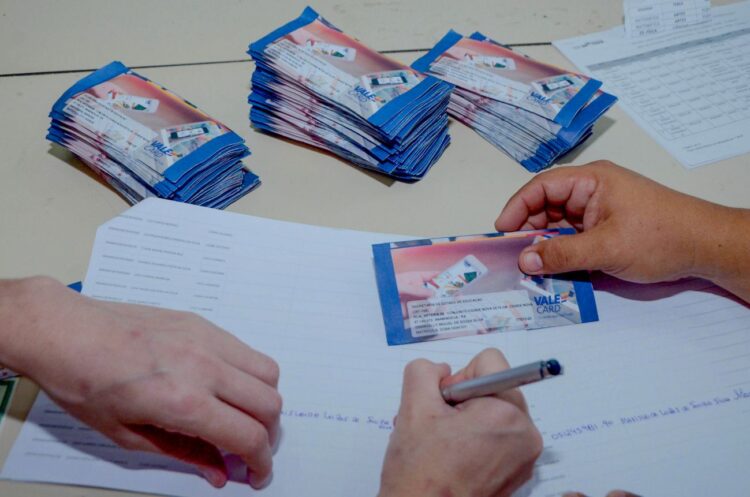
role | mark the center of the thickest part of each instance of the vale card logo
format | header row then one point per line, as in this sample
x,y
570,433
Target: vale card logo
x,y
363,94
550,303
158,149
538,98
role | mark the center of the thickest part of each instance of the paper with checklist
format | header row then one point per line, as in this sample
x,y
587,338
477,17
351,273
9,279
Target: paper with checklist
x,y
650,17
687,88
654,396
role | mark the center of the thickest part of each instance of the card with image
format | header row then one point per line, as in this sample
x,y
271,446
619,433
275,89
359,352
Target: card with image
x,y
467,285
491,62
132,102
331,50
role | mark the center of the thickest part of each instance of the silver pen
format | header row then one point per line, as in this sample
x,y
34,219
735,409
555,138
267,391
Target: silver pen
x,y
501,381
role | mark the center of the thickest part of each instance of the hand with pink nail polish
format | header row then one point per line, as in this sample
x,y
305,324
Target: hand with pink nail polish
x,y
149,379
483,447
630,227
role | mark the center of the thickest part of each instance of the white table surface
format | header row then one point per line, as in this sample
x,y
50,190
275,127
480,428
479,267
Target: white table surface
x,y
50,205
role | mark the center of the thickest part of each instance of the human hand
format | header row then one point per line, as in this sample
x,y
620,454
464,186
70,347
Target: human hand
x,y
481,447
631,227
411,284
152,379
613,493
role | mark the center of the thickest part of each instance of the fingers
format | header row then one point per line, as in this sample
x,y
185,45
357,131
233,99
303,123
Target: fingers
x,y
191,450
553,196
252,362
527,202
588,250
220,424
235,432
421,390
243,357
252,396
487,362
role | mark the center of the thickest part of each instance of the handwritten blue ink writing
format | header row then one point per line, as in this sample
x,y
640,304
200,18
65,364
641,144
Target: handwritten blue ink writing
x,y
643,417
335,417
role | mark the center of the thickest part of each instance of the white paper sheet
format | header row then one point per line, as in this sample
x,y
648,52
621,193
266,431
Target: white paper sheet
x,y
688,88
650,17
656,395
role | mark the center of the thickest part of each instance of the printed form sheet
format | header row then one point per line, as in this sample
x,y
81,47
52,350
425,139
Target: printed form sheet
x,y
656,395
648,17
688,88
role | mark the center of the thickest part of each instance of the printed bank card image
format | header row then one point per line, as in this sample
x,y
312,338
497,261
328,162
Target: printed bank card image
x,y
467,285
385,86
331,50
549,86
186,138
457,277
132,102
492,62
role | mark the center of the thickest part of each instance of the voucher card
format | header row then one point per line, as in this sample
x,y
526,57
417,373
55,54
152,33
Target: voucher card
x,y
447,287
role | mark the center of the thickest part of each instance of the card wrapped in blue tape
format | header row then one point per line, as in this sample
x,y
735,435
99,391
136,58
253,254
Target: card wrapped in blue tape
x,y
316,85
146,141
532,111
448,287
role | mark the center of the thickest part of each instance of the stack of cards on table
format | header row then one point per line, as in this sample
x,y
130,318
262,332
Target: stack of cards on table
x,y
146,141
532,111
314,84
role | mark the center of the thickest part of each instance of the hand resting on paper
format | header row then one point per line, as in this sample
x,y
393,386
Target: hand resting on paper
x,y
482,447
149,379
630,227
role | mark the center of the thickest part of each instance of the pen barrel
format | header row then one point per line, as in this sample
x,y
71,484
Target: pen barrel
x,y
495,383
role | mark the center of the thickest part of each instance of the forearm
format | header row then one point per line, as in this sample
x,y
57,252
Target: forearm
x,y
25,308
723,249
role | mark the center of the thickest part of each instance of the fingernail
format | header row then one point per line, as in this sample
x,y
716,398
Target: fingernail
x,y
256,482
531,262
215,477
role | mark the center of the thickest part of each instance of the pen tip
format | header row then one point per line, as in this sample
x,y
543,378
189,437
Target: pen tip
x,y
553,367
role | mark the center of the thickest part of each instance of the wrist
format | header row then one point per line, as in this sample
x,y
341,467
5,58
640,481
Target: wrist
x,y
25,307
415,483
713,243
723,254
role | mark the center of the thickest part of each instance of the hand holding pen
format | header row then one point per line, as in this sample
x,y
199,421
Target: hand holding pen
x,y
483,446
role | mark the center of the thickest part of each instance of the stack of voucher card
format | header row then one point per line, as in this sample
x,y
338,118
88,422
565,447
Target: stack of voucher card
x,y
314,84
146,141
532,111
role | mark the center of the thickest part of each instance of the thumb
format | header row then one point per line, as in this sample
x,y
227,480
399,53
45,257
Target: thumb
x,y
566,253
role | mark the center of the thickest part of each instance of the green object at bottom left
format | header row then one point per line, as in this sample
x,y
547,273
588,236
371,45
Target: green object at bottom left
x,y
7,387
